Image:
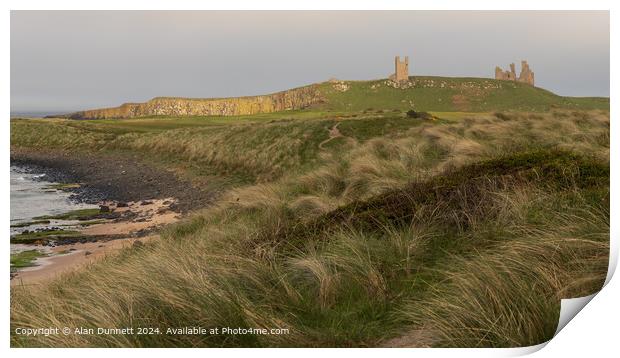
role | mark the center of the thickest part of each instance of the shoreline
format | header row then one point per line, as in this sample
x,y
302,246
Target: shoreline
x,y
135,204
108,177
107,238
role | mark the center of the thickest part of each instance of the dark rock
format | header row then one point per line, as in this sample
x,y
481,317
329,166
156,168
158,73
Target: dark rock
x,y
419,115
141,233
104,208
146,202
129,214
139,181
110,215
138,243
86,253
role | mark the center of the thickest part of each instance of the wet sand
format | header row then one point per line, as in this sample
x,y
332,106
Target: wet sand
x,y
147,216
59,262
150,198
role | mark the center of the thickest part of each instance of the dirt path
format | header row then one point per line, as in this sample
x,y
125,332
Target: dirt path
x,y
334,133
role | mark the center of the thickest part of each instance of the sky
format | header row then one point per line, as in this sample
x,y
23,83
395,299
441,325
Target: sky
x,y
64,61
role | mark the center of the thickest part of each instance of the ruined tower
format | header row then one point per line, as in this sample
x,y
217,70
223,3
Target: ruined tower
x,y
506,75
526,75
401,73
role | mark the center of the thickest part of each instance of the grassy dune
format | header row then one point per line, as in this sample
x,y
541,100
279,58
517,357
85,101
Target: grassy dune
x,y
465,231
253,149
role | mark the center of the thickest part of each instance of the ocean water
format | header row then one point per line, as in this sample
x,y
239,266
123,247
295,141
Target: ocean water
x,y
31,197
36,114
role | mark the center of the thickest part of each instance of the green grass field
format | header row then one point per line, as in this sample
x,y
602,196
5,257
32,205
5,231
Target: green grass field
x,y
465,231
423,93
453,94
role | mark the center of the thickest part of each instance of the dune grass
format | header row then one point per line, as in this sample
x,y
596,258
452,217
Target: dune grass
x,y
355,283
446,233
265,150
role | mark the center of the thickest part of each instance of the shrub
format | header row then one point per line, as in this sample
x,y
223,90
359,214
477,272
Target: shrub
x,y
419,115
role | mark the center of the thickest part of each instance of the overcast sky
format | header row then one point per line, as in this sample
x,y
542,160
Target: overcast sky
x,y
71,60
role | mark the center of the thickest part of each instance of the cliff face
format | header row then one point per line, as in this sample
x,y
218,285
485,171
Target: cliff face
x,y
297,98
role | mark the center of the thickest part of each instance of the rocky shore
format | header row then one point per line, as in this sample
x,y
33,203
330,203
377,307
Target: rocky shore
x,y
117,178
134,201
62,248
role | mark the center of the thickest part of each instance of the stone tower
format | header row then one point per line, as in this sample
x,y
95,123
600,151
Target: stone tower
x,y
401,73
526,74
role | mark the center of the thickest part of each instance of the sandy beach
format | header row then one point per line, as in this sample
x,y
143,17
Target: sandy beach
x,y
134,210
136,201
146,218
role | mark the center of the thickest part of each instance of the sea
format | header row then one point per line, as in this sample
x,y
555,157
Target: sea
x,y
35,114
32,196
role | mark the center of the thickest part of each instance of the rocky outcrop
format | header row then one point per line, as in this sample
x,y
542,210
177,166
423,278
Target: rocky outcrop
x,y
297,98
340,86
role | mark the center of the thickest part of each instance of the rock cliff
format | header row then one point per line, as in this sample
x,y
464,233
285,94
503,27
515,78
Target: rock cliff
x,y
297,98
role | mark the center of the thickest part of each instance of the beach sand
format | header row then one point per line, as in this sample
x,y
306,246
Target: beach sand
x,y
148,216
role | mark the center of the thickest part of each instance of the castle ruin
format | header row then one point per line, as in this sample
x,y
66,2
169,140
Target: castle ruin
x,y
401,70
526,75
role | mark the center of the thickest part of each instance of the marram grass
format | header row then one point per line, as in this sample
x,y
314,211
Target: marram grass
x,y
452,233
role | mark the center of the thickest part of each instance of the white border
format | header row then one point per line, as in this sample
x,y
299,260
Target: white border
x,y
592,331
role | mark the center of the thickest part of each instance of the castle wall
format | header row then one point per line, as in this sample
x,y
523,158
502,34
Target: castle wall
x,y
526,75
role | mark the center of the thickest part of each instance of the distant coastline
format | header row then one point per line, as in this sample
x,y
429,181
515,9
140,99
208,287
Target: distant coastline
x,y
34,114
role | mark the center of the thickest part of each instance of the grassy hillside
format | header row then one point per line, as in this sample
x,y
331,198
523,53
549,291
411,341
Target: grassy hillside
x,y
251,148
424,93
464,231
452,94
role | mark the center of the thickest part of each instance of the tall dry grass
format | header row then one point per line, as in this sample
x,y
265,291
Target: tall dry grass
x,y
381,164
509,297
359,286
